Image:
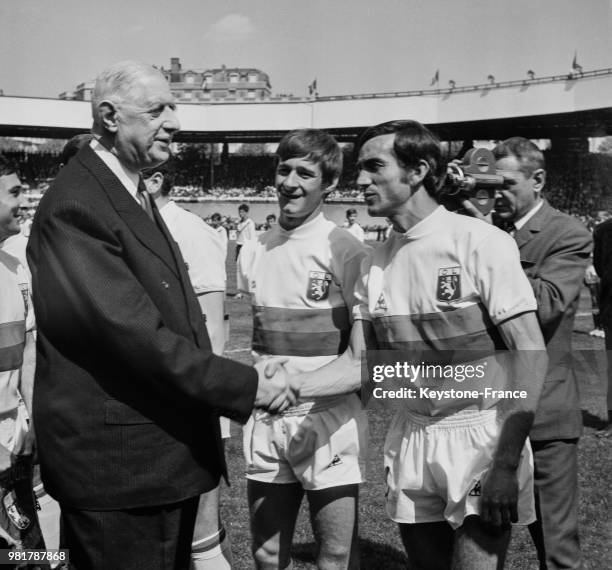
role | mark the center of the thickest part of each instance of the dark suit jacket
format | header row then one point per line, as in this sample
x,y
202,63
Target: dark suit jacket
x,y
602,261
555,251
127,390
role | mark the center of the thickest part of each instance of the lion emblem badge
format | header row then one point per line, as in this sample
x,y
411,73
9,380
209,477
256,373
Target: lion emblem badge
x,y
449,284
318,285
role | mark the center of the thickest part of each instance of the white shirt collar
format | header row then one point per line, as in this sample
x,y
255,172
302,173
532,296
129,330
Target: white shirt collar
x,y
522,221
127,178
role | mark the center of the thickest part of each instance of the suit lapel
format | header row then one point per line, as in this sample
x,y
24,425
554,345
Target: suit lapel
x,y
128,209
533,226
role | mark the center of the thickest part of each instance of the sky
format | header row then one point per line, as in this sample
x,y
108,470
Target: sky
x,y
349,46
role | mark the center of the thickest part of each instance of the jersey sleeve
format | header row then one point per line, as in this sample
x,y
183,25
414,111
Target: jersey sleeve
x,y
361,310
351,271
500,279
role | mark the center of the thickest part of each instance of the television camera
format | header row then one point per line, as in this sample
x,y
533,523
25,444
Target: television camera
x,y
473,178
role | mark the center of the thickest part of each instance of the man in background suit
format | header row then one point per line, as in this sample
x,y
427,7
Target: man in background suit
x,y
127,388
554,249
602,261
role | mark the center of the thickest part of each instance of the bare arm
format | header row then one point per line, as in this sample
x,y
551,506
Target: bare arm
x,y
342,375
26,383
527,371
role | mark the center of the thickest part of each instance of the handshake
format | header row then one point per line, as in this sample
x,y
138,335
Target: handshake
x,y
276,390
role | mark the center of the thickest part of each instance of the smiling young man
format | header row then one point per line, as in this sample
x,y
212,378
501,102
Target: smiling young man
x,y
18,520
301,276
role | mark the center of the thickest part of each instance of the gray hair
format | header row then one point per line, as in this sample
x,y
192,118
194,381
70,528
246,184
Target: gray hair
x,y
114,84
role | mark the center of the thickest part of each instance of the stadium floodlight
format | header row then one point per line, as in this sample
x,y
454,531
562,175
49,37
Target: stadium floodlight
x,y
491,78
451,83
531,74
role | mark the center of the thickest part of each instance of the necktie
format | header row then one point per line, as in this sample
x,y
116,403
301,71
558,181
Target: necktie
x,y
145,200
508,227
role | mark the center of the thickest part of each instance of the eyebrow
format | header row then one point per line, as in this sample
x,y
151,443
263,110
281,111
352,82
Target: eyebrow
x,y
371,161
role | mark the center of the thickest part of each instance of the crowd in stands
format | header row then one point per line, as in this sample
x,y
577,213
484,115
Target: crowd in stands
x,y
578,185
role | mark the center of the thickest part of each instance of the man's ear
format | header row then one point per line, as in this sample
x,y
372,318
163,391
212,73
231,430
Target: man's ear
x,y
108,115
539,179
332,186
417,173
155,183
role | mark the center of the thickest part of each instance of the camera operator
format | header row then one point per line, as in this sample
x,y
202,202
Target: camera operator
x,y
554,250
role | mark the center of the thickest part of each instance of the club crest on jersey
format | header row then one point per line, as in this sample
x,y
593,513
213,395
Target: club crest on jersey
x,y
449,283
318,285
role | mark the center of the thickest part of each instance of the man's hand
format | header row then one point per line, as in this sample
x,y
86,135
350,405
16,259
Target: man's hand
x,y
499,502
275,393
473,211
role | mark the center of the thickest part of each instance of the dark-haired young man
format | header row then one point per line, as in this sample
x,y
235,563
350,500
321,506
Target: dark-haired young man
x,y
301,276
458,468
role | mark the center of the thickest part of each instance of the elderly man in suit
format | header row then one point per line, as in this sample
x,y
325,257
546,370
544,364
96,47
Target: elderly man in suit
x,y
127,389
554,249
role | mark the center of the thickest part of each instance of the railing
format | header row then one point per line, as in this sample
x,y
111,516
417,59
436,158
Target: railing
x,y
470,88
576,76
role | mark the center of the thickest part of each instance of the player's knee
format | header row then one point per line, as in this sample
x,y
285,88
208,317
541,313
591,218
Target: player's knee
x,y
333,556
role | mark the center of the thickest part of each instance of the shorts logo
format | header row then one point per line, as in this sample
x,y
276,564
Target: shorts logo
x,y
381,304
335,461
449,283
318,285
476,490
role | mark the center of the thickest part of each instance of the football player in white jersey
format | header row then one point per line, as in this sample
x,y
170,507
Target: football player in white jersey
x,y
301,275
459,471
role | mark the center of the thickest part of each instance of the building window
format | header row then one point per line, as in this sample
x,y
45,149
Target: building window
x,y
234,78
187,95
189,79
206,95
252,78
251,94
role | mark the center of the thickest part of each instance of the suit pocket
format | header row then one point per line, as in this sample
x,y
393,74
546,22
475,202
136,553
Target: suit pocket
x,y
118,413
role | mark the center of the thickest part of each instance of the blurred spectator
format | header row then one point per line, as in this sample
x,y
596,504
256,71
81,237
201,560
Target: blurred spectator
x,y
216,223
270,222
352,226
245,230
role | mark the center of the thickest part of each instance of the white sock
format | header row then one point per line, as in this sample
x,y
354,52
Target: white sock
x,y
212,553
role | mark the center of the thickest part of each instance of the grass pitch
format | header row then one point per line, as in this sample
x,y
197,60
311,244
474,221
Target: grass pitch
x,y
379,539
